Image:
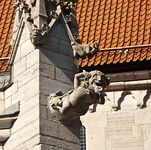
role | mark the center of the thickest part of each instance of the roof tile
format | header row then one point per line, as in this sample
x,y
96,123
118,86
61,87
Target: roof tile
x,y
7,15
115,23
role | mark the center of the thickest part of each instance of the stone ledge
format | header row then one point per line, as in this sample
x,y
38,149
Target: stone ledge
x,y
129,85
11,110
4,135
7,119
130,76
6,123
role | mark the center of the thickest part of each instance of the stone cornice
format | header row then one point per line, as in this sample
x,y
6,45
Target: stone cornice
x,y
129,80
130,76
129,85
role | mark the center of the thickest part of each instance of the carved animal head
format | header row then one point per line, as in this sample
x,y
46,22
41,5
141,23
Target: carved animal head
x,y
98,81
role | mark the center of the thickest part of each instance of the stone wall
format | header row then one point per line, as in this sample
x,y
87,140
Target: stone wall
x,y
127,128
57,69
25,89
38,72
1,101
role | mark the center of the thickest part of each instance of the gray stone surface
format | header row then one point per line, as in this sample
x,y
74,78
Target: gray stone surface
x,y
38,72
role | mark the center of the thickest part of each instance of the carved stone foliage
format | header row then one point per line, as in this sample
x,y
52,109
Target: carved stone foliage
x,y
88,89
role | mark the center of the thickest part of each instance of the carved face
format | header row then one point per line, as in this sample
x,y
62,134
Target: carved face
x,y
98,81
35,32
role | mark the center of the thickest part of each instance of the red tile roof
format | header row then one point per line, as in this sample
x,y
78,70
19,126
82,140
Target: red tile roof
x,y
111,23
7,15
115,23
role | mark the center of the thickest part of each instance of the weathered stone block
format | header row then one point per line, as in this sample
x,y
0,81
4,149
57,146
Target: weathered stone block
x,y
33,143
20,95
30,104
67,133
137,131
49,86
23,135
59,31
12,90
118,132
26,48
43,112
43,99
20,66
121,117
22,38
24,119
8,102
32,88
48,127
128,144
65,76
65,48
57,143
143,116
47,70
33,58
27,75
99,120
44,57
95,142
147,136
57,59
52,45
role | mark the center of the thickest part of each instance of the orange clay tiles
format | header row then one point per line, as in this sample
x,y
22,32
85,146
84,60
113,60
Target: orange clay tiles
x,y
112,24
7,15
122,28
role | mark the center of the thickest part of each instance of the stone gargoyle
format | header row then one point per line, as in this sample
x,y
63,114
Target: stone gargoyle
x,y
88,90
82,50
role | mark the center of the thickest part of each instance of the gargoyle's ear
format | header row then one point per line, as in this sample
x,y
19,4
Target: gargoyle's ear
x,y
96,45
105,80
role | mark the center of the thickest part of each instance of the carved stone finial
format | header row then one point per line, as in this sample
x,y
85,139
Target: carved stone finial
x,y
88,89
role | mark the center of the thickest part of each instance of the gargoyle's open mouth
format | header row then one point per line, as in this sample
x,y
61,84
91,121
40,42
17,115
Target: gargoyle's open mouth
x,y
98,83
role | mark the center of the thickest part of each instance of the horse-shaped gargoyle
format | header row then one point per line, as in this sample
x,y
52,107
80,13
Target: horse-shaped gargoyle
x,y
88,90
